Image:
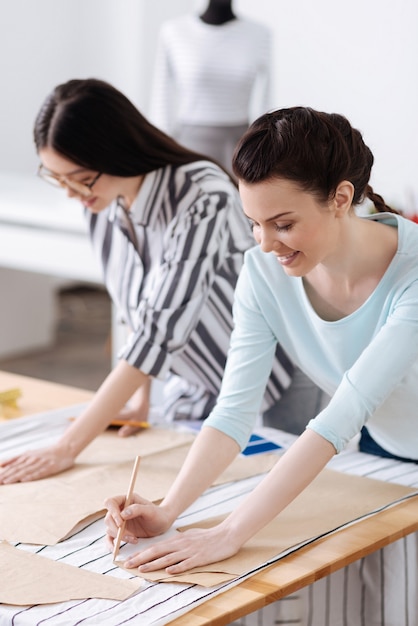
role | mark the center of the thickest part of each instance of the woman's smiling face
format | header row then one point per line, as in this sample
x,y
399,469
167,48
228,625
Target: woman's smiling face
x,y
102,193
290,223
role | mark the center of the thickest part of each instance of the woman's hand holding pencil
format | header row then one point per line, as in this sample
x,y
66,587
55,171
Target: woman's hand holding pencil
x,y
136,520
128,501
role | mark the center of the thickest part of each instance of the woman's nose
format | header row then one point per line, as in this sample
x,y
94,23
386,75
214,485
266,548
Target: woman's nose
x,y
71,193
267,240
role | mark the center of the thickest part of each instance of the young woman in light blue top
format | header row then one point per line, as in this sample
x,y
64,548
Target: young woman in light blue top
x,y
340,294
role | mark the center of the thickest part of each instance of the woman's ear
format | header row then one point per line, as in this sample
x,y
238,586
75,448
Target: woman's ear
x,y
343,197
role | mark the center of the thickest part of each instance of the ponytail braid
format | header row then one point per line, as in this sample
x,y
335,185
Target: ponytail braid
x,y
378,201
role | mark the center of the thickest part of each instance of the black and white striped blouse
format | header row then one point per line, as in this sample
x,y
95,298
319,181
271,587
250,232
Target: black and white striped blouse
x,y
170,265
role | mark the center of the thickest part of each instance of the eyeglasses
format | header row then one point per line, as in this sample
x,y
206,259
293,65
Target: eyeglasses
x,y
84,189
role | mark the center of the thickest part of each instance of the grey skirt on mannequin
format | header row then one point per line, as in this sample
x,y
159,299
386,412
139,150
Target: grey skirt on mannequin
x,y
218,142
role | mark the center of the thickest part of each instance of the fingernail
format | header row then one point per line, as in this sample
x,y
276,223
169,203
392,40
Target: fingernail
x,y
126,512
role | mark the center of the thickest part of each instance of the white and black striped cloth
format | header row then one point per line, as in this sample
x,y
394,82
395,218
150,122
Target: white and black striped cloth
x,y
170,265
379,590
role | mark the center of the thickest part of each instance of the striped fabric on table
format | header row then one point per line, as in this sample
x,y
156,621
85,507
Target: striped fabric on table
x,y
378,590
330,602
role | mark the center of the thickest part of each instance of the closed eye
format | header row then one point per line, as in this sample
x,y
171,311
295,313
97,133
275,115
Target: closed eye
x,y
282,229
278,227
87,180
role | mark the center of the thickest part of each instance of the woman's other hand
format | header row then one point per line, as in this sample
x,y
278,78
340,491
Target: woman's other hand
x,y
35,464
131,415
137,410
195,547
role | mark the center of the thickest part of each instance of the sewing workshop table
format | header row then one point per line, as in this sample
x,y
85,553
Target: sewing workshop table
x,y
291,573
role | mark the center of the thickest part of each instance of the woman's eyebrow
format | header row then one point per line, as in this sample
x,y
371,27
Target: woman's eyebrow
x,y
274,217
77,171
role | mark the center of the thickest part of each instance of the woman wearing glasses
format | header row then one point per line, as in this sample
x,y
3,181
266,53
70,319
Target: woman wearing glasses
x,y
168,228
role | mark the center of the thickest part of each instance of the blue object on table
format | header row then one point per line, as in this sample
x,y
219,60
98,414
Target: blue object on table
x,y
258,444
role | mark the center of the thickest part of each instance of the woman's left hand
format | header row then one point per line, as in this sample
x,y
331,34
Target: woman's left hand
x,y
35,464
137,410
192,548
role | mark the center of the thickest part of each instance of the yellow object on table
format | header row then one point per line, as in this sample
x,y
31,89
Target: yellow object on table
x,y
8,403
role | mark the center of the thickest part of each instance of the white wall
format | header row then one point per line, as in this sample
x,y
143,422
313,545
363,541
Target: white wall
x,y
47,42
358,58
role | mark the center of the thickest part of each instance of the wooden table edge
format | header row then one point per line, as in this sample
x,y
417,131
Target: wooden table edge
x,y
307,565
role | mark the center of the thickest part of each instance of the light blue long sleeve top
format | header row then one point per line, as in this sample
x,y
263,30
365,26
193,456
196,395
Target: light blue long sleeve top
x,y
367,361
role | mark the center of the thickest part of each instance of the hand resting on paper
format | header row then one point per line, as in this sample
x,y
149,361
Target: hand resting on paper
x,y
137,410
35,464
133,415
122,383
191,548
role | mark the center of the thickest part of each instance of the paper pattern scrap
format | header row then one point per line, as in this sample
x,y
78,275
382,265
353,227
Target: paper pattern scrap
x,y
26,579
332,500
8,403
110,448
56,505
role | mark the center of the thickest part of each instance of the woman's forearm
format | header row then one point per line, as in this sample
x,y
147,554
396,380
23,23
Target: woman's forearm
x,y
197,547
210,454
112,395
292,473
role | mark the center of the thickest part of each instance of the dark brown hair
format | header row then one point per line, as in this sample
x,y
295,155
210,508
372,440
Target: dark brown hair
x,y
313,149
94,125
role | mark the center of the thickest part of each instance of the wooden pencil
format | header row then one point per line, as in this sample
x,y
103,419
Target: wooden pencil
x,y
122,422
128,499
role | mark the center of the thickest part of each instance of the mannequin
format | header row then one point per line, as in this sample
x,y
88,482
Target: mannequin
x,y
211,79
218,12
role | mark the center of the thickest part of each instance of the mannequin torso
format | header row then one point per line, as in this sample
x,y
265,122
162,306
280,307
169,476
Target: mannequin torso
x,y
212,76
218,12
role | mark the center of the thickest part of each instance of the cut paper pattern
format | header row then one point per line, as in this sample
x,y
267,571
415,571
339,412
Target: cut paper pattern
x,y
331,501
110,448
32,579
58,504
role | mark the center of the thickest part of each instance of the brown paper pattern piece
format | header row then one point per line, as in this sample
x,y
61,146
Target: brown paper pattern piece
x,y
26,579
332,500
58,504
